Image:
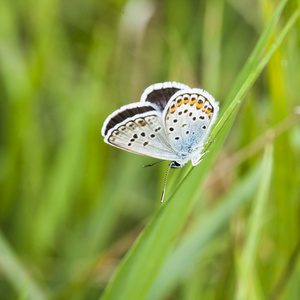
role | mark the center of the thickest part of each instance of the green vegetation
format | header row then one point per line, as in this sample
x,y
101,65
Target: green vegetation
x,y
83,220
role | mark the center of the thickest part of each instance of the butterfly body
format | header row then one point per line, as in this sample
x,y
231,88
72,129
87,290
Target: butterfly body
x,y
171,122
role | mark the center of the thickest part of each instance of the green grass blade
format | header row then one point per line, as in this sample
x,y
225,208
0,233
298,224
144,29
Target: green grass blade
x,y
192,245
257,52
248,288
138,270
252,75
62,182
17,273
251,78
71,206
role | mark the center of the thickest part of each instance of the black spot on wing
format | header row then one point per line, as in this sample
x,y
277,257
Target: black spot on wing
x,y
125,114
161,97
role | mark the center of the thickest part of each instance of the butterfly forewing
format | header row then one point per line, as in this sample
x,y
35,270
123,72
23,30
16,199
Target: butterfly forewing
x,y
142,133
124,113
188,118
160,93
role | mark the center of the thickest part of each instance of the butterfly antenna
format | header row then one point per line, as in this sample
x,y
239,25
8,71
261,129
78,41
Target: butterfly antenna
x,y
146,166
164,189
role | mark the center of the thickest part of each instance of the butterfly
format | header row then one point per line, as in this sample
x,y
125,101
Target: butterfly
x,y
171,122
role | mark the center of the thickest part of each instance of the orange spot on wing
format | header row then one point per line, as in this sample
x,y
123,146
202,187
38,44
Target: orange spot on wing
x,y
193,101
199,105
179,102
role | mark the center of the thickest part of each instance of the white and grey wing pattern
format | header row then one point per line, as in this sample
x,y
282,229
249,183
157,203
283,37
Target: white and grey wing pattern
x,y
138,128
188,118
171,122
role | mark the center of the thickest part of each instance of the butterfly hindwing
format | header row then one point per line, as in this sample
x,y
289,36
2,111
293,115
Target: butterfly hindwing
x,y
188,118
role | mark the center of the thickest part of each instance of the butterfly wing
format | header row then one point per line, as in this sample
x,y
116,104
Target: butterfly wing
x,y
138,128
188,117
160,93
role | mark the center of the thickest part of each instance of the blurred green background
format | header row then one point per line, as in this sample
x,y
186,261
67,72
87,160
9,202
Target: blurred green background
x,y
71,206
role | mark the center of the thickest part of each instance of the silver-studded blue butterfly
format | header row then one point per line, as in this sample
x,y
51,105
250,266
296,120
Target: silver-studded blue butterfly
x,y
171,122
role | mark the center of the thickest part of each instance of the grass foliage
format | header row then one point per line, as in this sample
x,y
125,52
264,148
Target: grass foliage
x,y
83,220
